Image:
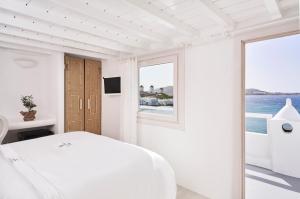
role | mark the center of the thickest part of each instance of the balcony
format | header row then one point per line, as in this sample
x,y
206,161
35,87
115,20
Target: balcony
x,y
258,147
272,157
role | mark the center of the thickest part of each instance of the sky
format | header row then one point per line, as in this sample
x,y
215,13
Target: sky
x,y
158,75
274,65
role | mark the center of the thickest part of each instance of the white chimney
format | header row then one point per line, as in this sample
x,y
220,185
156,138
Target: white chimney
x,y
288,112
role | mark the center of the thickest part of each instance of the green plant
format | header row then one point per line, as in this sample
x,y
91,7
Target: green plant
x,y
28,102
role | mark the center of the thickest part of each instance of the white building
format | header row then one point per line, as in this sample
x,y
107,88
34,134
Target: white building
x,y
141,88
276,149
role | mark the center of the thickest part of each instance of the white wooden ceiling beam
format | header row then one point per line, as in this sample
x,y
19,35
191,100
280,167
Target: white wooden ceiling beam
x,y
273,9
47,46
96,12
28,23
171,21
42,15
18,47
215,13
53,40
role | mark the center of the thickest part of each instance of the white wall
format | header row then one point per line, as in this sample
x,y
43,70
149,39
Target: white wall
x,y
44,81
57,97
207,155
110,103
258,149
203,155
285,147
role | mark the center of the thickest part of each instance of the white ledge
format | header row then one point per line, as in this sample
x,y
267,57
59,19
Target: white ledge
x,y
16,125
258,115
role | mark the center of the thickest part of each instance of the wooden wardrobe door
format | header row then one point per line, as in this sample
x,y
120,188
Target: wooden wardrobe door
x,y
74,94
92,96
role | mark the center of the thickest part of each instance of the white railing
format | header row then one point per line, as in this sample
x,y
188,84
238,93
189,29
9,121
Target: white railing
x,y
267,117
258,115
257,145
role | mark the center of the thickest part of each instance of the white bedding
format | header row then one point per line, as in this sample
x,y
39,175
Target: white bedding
x,y
82,165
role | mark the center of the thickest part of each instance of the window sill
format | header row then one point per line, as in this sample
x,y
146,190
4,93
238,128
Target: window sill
x,y
159,120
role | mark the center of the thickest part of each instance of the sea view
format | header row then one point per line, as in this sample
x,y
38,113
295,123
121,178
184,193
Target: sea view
x,y
269,104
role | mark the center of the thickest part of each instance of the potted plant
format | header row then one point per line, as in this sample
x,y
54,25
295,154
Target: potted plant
x,y
29,104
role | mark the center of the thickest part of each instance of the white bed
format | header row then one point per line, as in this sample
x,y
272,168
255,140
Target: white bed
x,y
82,165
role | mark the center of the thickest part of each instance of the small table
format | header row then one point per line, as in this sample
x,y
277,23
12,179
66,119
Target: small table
x,y
20,124
16,126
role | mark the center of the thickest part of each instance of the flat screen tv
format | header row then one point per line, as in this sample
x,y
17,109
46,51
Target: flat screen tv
x,y
112,85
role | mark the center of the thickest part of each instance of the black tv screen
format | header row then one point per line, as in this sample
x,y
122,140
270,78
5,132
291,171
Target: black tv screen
x,y
112,85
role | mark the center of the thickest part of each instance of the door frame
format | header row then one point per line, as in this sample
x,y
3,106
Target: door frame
x,y
243,91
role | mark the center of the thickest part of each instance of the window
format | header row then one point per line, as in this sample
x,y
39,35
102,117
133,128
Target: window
x,y
158,89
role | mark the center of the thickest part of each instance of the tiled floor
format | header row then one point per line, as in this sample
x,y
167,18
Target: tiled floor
x,y
183,193
265,184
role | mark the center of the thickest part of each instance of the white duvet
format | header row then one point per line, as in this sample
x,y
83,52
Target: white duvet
x,y
82,165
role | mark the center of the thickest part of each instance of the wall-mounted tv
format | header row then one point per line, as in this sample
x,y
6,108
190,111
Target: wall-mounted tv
x,y
112,85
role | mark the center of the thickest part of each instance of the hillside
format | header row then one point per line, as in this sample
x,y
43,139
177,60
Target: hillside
x,y
167,90
253,91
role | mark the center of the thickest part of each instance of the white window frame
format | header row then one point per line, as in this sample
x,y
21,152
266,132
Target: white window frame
x,y
176,120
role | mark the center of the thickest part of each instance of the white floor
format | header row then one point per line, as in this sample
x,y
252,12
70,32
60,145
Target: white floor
x,y
183,193
265,184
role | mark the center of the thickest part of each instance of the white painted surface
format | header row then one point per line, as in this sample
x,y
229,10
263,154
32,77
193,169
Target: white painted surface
x,y
43,79
17,125
258,149
108,28
111,103
288,112
285,148
276,150
258,115
264,184
258,145
204,154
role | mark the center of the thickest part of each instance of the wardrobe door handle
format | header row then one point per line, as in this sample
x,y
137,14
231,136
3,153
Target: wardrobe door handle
x,y
80,104
89,104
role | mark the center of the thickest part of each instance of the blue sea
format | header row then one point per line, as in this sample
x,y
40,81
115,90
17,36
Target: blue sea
x,y
269,104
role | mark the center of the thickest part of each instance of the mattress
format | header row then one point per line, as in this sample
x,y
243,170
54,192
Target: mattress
x,y
81,165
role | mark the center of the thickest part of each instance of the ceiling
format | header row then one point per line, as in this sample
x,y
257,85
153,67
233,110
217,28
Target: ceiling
x,y
115,28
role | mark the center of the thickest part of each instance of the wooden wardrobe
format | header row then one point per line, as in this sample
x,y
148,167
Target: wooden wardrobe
x,y
82,95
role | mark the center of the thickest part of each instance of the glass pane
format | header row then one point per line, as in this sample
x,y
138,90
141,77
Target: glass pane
x,y
156,88
256,125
